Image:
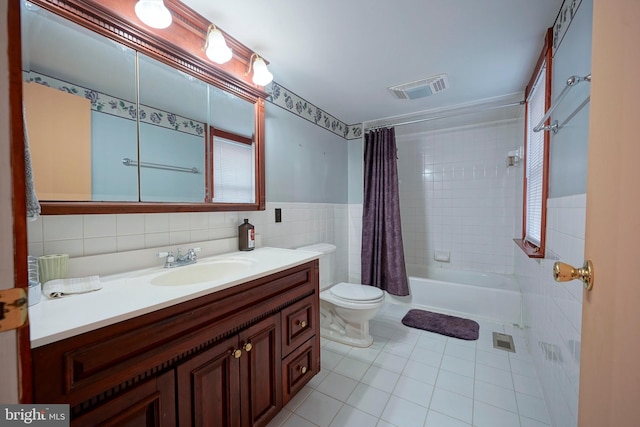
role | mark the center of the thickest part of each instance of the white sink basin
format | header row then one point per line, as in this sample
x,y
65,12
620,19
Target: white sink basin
x,y
201,273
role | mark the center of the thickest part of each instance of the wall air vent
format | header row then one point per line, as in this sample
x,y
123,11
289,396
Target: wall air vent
x,y
503,342
421,88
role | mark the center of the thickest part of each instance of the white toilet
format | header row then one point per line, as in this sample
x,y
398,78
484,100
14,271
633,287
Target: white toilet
x,y
345,308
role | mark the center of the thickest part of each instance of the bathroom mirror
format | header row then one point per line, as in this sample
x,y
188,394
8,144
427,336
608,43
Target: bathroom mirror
x,y
173,133
80,109
233,147
117,129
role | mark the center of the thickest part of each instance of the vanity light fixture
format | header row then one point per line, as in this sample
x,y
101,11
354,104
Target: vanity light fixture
x,y
153,13
215,46
261,75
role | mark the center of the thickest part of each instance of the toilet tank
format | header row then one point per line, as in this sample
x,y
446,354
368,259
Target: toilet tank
x,y
326,261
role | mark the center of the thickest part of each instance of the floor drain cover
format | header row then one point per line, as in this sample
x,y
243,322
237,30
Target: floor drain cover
x,y
503,342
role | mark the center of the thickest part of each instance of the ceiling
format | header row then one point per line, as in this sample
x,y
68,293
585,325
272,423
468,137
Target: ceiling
x,y
343,55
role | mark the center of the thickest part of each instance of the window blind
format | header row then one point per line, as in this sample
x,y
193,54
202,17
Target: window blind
x,y
233,180
535,161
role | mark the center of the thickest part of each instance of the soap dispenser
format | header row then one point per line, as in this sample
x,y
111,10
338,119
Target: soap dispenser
x,y
246,236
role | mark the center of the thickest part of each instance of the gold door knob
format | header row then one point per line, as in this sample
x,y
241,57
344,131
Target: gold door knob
x,y
564,272
247,347
302,323
236,353
303,369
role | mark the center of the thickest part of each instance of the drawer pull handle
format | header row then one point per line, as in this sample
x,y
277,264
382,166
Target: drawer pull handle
x,y
301,323
247,347
303,369
236,353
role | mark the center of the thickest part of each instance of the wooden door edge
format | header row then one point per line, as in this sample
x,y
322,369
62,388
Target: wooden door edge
x,y
14,56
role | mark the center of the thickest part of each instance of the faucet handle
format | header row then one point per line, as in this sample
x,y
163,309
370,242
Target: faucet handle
x,y
191,253
168,255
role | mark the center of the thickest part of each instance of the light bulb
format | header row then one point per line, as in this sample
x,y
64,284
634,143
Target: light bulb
x,y
217,49
153,13
261,75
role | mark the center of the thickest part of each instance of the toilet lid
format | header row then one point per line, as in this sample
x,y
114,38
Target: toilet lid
x,y
353,292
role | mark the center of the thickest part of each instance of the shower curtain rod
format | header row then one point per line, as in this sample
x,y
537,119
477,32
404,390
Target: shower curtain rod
x,y
445,116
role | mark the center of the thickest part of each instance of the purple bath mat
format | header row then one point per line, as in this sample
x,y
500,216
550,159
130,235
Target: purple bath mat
x,y
443,324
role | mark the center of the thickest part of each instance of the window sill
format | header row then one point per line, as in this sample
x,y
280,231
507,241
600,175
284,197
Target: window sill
x,y
530,251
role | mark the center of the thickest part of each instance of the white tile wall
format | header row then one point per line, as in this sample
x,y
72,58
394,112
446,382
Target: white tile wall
x,y
553,311
308,223
355,242
83,235
457,194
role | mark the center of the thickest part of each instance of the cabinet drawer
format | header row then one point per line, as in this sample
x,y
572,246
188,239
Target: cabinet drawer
x,y
299,323
298,368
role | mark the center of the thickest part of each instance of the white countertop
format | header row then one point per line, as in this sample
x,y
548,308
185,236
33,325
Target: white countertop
x,y
127,295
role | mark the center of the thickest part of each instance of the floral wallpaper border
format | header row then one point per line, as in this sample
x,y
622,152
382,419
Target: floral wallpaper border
x,y
278,95
283,97
567,12
108,104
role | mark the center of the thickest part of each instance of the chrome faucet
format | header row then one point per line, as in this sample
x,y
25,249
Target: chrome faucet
x,y
181,259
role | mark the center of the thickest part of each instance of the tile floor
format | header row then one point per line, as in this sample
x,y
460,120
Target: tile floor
x,y
410,377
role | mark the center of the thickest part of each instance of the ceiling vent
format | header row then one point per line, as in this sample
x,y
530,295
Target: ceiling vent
x,y
421,88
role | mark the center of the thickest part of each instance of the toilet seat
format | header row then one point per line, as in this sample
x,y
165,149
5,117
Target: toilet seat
x,y
350,292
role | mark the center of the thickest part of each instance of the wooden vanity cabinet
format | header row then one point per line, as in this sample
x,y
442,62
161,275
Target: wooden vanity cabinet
x,y
232,358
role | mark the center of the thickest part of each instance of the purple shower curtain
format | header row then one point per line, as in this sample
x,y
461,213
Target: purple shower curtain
x,y
382,255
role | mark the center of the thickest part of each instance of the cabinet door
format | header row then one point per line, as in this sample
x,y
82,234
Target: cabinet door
x,y
152,403
209,389
260,372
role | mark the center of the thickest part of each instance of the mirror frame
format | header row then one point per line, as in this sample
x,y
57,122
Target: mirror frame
x,y
180,47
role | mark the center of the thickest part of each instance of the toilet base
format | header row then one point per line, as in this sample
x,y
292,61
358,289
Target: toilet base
x,y
353,331
362,342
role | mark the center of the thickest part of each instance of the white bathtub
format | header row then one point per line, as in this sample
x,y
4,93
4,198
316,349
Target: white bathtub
x,y
493,297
